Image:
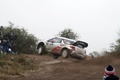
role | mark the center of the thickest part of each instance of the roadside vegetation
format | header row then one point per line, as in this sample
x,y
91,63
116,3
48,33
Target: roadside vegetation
x,y
25,43
116,47
15,64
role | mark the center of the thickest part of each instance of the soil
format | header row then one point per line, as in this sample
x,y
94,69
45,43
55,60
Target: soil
x,y
67,69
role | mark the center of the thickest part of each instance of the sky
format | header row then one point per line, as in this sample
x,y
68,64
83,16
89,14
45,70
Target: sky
x,y
96,21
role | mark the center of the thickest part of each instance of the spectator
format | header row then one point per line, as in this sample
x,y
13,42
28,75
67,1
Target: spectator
x,y
110,73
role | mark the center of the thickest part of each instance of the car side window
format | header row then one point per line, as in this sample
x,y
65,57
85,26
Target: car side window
x,y
55,40
72,42
50,40
67,42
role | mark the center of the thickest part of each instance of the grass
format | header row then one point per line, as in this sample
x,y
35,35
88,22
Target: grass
x,y
91,69
15,64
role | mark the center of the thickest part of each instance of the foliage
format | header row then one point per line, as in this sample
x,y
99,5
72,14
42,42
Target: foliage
x,y
68,33
116,47
25,43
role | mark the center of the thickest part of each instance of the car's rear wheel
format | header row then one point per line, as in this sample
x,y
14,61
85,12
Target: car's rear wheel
x,y
41,50
65,53
55,56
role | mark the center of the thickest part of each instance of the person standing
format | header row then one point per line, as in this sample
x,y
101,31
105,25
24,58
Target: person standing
x,y
110,73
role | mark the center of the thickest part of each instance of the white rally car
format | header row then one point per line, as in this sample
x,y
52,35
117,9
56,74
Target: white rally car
x,y
60,46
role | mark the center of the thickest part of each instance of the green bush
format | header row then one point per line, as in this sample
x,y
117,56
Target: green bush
x,y
25,43
116,47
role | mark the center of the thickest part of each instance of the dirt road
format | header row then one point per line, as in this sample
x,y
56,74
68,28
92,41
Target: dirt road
x,y
65,69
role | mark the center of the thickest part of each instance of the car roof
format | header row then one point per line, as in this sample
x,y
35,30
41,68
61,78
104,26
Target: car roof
x,y
66,39
75,41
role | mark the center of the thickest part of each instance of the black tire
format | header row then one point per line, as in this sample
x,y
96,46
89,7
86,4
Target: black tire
x,y
55,56
65,53
41,50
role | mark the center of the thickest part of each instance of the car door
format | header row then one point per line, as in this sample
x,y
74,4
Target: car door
x,y
52,44
49,43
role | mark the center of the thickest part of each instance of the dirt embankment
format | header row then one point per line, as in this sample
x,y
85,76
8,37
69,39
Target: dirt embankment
x,y
68,69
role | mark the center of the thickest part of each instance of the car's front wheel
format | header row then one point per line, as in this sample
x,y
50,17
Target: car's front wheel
x,y
41,50
65,53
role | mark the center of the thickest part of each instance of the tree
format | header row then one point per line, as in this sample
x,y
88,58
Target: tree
x,y
116,47
68,33
25,43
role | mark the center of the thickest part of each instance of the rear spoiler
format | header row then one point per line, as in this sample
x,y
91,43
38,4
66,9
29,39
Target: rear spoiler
x,y
84,44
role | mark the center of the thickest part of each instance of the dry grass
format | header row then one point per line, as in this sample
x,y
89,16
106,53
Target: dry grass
x,y
92,69
15,64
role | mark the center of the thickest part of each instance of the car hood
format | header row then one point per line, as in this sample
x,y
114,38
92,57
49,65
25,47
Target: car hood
x,y
82,43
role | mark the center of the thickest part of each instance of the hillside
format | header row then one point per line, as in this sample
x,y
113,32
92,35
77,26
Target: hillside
x,y
67,69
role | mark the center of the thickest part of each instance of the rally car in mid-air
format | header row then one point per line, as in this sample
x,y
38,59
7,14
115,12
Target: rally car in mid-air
x,y
60,46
